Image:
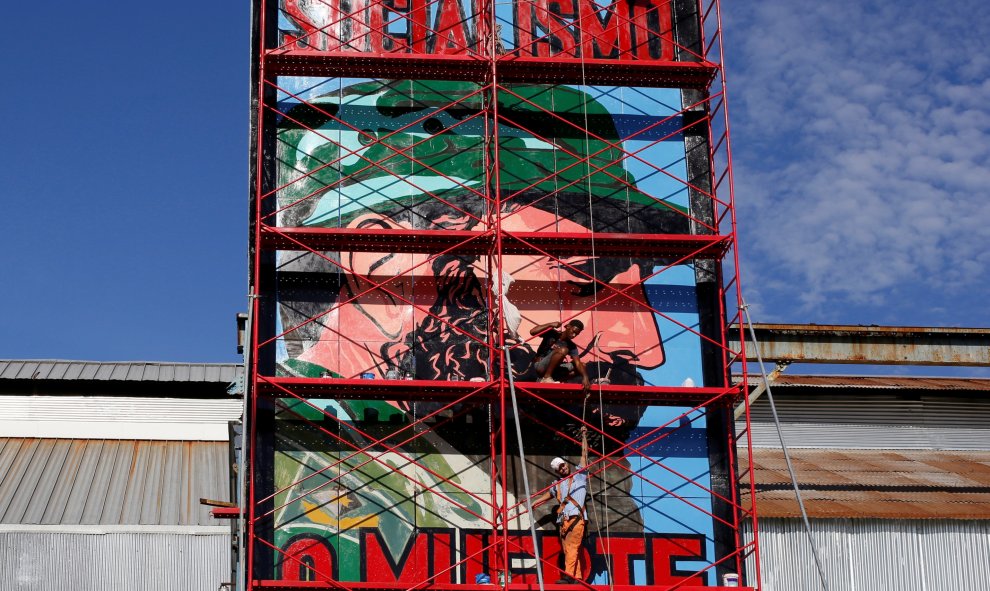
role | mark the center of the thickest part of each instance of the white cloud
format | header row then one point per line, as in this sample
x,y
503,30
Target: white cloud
x,y
861,139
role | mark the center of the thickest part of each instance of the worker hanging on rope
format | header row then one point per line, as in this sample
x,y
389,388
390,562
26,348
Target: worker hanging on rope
x,y
555,347
570,491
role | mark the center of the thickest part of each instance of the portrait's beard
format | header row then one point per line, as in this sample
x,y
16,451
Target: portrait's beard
x,y
439,350
435,350
440,347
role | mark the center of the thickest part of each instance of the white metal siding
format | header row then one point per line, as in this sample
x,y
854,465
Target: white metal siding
x,y
108,417
876,422
113,562
875,555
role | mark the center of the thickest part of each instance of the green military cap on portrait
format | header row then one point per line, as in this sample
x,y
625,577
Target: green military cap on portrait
x,y
381,146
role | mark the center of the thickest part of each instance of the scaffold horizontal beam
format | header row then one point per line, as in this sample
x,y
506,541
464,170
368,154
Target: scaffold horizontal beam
x,y
657,74
438,390
473,242
535,70
366,65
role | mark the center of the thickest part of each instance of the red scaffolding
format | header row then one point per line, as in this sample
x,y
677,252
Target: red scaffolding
x,y
496,69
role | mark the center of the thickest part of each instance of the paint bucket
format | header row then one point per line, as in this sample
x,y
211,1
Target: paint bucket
x,y
730,580
367,376
392,374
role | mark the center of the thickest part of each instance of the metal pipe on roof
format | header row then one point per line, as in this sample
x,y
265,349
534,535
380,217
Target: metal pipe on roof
x,y
873,345
761,388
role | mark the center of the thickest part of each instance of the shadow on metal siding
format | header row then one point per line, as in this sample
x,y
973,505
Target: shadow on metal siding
x,y
113,562
875,554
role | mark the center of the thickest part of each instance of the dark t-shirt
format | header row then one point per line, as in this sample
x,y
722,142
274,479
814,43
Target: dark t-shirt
x,y
550,338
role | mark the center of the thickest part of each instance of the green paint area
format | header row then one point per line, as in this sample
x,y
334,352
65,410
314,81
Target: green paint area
x,y
359,474
386,146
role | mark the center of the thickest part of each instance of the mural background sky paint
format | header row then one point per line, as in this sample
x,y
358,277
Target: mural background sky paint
x,y
861,158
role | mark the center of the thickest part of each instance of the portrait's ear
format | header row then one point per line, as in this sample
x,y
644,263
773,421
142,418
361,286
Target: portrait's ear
x,y
380,264
391,314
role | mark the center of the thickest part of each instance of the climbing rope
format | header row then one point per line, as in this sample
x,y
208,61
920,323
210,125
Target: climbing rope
x,y
522,462
594,276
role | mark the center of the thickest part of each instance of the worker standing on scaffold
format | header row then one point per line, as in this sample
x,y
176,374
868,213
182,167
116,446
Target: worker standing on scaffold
x,y
571,491
555,347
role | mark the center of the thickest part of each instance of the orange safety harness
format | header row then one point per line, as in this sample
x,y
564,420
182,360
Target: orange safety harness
x,y
565,523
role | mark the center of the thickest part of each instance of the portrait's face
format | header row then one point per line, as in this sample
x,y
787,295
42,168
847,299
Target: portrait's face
x,y
373,328
548,289
433,317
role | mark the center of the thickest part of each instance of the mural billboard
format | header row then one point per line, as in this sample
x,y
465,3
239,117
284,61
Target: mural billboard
x,y
407,491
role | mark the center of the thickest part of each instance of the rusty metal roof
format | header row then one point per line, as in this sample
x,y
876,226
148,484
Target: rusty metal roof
x,y
104,482
870,345
877,382
871,329
130,371
902,484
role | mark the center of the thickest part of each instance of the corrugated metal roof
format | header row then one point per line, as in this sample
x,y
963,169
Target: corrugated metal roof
x,y
812,328
126,371
908,484
103,482
876,382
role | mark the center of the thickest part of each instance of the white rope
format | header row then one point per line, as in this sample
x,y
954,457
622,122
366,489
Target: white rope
x,y
522,461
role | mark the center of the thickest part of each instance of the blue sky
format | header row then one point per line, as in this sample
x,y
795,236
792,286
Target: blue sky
x,y
124,178
860,142
860,138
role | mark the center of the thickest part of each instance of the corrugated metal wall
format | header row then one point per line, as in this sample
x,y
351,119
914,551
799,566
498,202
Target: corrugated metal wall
x,y
876,555
113,562
89,481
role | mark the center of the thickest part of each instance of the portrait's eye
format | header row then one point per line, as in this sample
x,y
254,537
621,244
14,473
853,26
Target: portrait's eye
x,y
433,126
577,273
584,289
366,137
